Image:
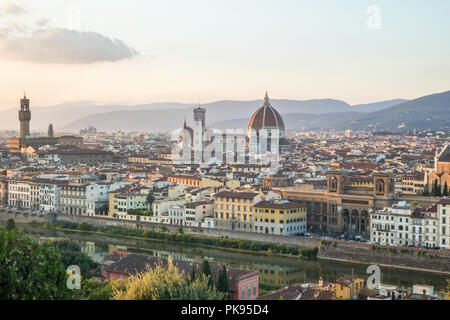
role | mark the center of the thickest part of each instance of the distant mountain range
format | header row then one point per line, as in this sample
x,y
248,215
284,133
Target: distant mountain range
x,y
426,112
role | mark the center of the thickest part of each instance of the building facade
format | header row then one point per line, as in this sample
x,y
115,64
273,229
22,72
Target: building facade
x,y
234,210
342,206
279,217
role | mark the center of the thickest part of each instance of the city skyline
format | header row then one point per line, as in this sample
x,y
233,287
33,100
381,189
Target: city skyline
x,y
359,52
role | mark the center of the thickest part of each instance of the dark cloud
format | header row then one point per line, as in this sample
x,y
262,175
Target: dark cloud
x,y
56,45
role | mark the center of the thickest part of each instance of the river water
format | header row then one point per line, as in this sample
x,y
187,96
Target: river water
x,y
275,271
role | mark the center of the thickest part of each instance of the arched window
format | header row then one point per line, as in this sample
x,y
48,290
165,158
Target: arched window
x,y
380,186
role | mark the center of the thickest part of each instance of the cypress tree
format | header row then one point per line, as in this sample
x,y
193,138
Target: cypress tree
x,y
222,281
206,270
435,187
425,190
193,273
445,193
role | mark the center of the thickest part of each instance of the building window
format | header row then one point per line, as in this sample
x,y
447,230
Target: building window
x,y
242,294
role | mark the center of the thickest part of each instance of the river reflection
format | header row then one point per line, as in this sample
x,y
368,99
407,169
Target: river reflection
x,y
275,271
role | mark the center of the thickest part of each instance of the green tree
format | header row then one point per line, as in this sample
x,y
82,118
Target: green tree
x,y
92,289
192,277
30,270
150,198
447,294
10,224
445,191
160,283
425,190
434,190
71,255
222,284
206,271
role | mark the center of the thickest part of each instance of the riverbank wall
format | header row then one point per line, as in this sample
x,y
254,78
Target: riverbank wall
x,y
22,217
408,258
300,242
418,259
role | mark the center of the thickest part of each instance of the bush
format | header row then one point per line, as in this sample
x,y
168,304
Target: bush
x,y
30,270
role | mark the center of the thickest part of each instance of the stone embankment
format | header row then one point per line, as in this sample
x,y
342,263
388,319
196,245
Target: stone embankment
x,y
409,258
418,259
300,242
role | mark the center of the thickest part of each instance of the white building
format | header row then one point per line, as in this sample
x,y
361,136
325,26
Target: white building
x,y
403,225
176,215
49,196
196,212
443,209
19,194
161,207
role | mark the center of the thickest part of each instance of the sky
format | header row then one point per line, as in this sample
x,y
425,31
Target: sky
x,y
143,51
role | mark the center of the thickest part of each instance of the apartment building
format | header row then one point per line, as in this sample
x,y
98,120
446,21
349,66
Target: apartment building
x,y
49,195
349,288
73,198
234,210
161,207
404,225
122,201
19,194
279,217
188,181
3,191
177,215
195,212
413,183
443,208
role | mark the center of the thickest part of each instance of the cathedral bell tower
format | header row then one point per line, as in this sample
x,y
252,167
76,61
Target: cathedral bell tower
x,y
24,117
199,131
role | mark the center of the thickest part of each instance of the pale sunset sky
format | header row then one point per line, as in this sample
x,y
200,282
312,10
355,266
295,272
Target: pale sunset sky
x,y
136,51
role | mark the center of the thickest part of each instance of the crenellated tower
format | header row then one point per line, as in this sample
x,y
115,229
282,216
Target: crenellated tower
x,y
24,117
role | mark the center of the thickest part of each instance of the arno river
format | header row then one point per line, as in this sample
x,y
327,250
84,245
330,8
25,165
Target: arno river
x,y
275,271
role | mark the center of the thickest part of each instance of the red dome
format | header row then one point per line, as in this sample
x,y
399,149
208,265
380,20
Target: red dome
x,y
266,117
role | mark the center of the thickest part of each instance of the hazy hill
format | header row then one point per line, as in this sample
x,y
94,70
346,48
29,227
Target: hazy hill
x,y
428,112
64,113
160,116
220,111
293,121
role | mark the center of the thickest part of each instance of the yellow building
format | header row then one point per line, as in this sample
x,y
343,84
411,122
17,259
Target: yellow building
x,y
348,288
280,217
234,210
232,184
413,183
208,182
187,180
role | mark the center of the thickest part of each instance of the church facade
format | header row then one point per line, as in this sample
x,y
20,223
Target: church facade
x,y
440,174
